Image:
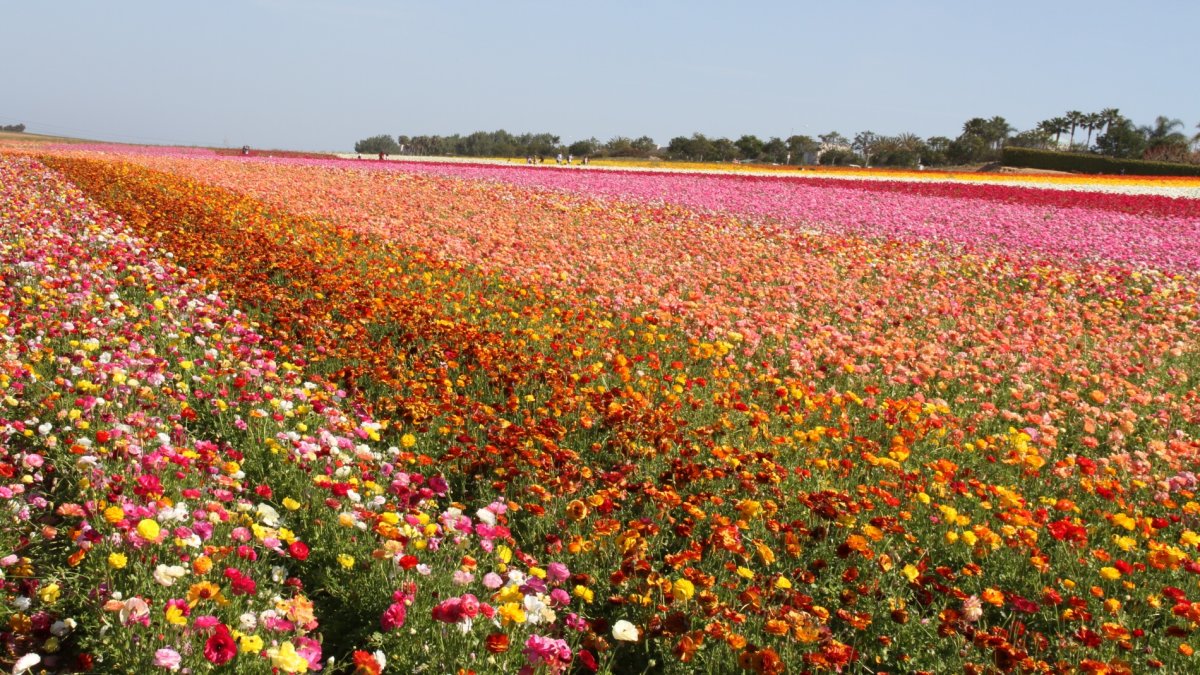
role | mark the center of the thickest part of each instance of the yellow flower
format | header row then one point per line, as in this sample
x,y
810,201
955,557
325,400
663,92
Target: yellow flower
x,y
584,593
509,593
745,572
683,590
969,537
117,561
114,514
511,612
174,615
1110,573
290,504
250,644
911,573
408,440
286,659
148,529
49,593
346,561
782,583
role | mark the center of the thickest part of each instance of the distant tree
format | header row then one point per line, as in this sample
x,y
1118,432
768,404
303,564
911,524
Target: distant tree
x,y
1075,119
1033,138
1165,140
1091,122
833,138
839,156
800,146
749,147
1122,139
15,128
377,144
775,150
967,149
644,145
698,148
723,150
1057,126
996,131
864,143
938,147
1109,116
903,150
584,148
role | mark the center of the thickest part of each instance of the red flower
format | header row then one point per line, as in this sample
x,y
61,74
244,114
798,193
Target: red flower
x,y
365,664
220,648
298,550
497,643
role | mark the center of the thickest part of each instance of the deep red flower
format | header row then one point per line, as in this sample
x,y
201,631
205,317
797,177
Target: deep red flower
x,y
298,550
220,648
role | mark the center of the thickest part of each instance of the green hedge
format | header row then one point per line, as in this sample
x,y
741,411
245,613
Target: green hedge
x,y
1083,163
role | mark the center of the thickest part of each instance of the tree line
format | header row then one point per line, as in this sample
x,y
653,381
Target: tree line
x,y
16,128
1106,132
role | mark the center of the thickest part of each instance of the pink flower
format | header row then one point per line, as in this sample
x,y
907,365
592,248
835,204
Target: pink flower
x,y
393,617
167,658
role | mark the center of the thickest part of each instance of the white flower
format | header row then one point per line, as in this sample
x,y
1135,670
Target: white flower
x,y
625,631
248,621
486,516
25,663
268,515
166,575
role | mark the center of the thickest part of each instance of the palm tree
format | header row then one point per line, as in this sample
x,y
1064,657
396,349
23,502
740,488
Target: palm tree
x,y
1057,126
1091,122
998,129
1075,119
1110,116
1165,132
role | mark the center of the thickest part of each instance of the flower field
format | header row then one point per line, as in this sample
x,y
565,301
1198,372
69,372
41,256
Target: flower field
x,y
294,414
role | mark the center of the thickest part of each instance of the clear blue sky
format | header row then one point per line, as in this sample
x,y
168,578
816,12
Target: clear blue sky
x,y
321,74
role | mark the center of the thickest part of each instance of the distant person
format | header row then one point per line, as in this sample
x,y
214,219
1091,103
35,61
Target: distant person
x,y
381,156
570,158
558,159
245,151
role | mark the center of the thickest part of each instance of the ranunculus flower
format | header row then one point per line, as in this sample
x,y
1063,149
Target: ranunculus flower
x,y
393,616
298,550
625,631
220,648
167,658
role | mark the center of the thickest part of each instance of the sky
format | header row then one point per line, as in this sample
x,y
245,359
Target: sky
x,y
321,74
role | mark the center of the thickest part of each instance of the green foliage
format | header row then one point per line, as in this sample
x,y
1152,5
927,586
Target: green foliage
x,y
749,147
584,148
839,157
15,128
1085,163
377,144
